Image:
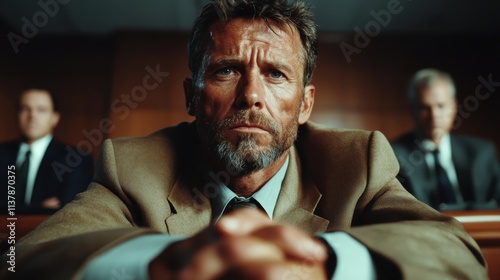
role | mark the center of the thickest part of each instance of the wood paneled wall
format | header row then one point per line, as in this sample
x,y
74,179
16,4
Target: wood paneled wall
x,y
78,70
148,69
102,85
369,92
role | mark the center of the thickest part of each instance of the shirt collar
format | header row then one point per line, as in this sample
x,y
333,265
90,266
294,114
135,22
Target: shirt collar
x,y
265,196
444,146
37,148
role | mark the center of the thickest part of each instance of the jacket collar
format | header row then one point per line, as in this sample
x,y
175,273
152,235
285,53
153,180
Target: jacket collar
x,y
191,211
298,199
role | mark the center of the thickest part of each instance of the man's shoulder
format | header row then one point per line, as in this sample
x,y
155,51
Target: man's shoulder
x,y
8,150
314,136
156,157
9,145
405,144
172,135
470,142
338,155
58,145
469,139
323,131
404,140
57,149
167,142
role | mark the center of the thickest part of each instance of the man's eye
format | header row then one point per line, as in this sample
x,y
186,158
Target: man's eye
x,y
276,74
225,71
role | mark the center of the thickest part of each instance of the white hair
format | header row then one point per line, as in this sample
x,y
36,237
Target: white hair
x,y
425,78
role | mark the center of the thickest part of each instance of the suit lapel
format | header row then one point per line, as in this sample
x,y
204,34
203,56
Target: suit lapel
x,y
424,187
295,206
298,199
12,153
191,210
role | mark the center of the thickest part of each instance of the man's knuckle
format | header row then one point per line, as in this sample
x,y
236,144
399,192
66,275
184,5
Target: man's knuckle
x,y
232,248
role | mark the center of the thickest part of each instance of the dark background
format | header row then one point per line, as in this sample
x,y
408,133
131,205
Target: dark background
x,y
95,53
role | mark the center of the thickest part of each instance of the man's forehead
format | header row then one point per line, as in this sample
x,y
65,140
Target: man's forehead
x,y
36,96
36,92
439,87
236,37
239,29
439,91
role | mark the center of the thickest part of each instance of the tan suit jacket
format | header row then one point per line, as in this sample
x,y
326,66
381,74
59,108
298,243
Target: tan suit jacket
x,y
336,180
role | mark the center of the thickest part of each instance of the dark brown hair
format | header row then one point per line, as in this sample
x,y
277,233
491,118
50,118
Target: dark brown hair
x,y
39,87
297,14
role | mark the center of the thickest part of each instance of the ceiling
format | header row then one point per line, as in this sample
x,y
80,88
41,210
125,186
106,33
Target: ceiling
x,y
103,17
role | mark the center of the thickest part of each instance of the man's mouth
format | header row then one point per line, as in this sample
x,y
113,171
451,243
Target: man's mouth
x,y
248,128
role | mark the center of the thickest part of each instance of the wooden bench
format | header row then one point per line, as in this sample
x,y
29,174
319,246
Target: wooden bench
x,y
484,227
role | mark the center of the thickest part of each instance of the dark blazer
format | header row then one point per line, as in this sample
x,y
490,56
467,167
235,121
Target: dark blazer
x,y
475,162
336,180
62,173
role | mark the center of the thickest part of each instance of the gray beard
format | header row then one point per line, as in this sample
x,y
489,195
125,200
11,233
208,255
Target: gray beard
x,y
246,156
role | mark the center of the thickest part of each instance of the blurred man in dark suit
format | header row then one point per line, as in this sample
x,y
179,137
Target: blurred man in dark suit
x,y
49,173
444,170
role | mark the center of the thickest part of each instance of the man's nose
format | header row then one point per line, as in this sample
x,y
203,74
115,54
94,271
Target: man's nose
x,y
30,114
250,92
436,113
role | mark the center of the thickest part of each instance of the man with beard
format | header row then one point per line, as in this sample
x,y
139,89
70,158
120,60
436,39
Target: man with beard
x,y
175,204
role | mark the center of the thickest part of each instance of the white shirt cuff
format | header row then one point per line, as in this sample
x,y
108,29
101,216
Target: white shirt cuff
x,y
354,261
129,260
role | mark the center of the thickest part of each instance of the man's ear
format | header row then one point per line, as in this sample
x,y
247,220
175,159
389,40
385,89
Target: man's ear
x,y
189,96
455,107
54,120
307,104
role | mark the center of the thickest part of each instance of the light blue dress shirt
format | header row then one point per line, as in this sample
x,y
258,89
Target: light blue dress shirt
x,y
38,149
130,259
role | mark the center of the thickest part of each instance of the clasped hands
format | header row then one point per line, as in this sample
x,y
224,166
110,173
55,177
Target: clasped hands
x,y
244,244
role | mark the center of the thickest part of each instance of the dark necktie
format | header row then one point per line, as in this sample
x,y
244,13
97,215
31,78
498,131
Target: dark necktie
x,y
446,191
238,203
22,179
